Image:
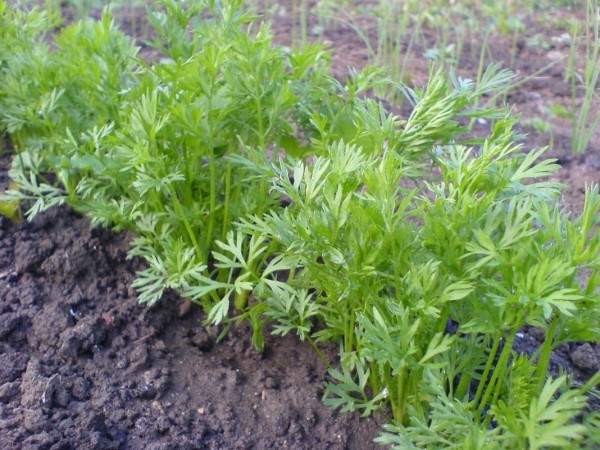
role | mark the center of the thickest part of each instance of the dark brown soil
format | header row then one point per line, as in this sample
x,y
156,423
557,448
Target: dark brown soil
x,y
82,365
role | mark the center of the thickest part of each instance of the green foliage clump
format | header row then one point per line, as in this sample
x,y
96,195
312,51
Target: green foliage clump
x,y
152,147
387,261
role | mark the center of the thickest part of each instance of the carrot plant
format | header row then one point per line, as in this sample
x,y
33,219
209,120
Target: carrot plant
x,y
52,102
21,39
425,277
151,147
77,87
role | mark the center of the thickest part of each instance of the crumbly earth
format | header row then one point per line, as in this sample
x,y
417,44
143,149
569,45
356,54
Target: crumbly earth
x,y
83,365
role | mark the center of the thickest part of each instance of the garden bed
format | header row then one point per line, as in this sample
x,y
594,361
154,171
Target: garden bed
x,y
84,365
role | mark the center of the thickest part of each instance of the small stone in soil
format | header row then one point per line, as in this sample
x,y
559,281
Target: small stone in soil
x,y
30,254
139,358
271,383
146,391
311,418
34,388
11,366
163,424
585,358
95,421
122,363
8,323
62,396
81,388
41,440
72,343
202,340
282,425
8,391
35,421
9,424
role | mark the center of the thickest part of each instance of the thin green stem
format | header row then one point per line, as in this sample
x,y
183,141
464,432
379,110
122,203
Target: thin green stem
x,y
513,47
213,197
226,206
463,386
213,182
318,351
179,208
500,371
350,331
545,353
524,80
398,405
262,145
593,282
486,370
374,377
480,68
493,386
584,127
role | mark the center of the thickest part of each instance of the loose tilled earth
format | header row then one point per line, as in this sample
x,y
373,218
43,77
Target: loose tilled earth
x,y
82,365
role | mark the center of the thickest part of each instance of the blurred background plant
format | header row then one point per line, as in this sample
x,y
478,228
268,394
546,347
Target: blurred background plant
x,y
583,76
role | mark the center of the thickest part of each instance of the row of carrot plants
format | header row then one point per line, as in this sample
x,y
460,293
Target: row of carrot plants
x,y
263,189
